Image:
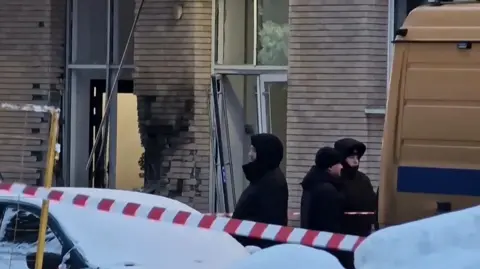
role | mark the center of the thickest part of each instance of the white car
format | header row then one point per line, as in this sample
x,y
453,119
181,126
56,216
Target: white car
x,y
84,238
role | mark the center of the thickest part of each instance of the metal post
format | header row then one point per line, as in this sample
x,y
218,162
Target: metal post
x,y
215,89
255,31
113,89
228,144
52,140
212,191
103,160
112,144
66,100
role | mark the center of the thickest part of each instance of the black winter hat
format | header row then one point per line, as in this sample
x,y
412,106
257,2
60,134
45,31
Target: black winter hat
x,y
327,157
269,150
349,146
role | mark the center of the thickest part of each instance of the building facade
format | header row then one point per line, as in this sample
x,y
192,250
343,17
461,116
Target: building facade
x,y
309,71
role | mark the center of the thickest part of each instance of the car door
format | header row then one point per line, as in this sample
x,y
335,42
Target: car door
x,y
19,228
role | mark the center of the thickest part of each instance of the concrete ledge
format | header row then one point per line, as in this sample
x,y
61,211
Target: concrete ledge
x,y
375,111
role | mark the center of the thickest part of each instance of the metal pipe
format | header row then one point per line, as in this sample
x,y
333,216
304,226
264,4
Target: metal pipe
x,y
114,84
52,141
255,31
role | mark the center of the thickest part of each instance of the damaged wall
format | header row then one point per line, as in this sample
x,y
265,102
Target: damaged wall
x,y
172,80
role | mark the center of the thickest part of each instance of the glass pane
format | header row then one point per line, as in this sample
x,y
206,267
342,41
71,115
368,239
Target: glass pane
x,y
276,109
89,33
273,32
20,232
234,32
123,21
241,109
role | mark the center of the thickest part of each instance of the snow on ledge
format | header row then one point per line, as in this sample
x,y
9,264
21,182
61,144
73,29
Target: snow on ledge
x,y
448,241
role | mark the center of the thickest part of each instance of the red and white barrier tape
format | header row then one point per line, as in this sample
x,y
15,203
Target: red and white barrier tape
x,y
292,215
250,229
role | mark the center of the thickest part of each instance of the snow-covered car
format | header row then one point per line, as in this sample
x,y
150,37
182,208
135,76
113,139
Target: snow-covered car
x,y
84,238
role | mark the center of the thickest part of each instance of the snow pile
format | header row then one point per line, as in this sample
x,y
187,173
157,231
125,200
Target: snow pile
x,y
289,256
29,107
442,242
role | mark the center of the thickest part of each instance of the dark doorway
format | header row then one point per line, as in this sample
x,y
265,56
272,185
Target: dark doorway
x,y
97,89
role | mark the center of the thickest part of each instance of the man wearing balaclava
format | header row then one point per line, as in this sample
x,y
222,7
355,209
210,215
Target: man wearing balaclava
x,y
359,193
266,197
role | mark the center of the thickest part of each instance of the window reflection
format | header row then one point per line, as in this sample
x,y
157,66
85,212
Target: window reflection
x,y
89,32
124,15
234,32
273,30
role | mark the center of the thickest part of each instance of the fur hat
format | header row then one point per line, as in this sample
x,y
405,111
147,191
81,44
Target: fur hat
x,y
327,157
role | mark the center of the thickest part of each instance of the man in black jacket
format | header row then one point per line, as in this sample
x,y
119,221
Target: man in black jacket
x,y
266,197
322,204
359,193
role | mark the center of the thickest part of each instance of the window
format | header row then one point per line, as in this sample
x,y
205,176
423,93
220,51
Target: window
x,y
251,32
397,12
273,31
403,7
19,230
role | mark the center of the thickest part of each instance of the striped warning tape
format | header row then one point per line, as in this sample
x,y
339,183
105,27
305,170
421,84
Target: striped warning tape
x,y
292,215
250,229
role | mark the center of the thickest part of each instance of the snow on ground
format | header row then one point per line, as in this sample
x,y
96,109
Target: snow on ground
x,y
448,241
111,240
289,256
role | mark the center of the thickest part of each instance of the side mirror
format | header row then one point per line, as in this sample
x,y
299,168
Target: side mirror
x,y
50,260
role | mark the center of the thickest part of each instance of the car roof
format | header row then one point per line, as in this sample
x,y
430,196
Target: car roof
x,y
114,194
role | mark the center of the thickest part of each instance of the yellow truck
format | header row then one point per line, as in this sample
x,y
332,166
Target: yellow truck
x,y
431,143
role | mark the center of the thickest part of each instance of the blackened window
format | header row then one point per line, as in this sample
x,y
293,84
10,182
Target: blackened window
x,y
403,8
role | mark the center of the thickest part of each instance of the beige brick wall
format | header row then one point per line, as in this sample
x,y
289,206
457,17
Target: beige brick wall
x,y
337,69
172,80
31,67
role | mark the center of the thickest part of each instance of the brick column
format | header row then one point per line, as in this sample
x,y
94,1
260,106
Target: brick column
x,y
172,80
31,72
337,60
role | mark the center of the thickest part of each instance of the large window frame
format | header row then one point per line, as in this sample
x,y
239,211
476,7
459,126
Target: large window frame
x,y
221,68
107,70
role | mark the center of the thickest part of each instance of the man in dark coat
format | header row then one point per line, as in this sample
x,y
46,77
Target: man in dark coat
x,y
323,203
359,193
322,199
266,197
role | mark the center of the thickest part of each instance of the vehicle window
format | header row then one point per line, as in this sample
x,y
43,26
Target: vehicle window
x,y
19,229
